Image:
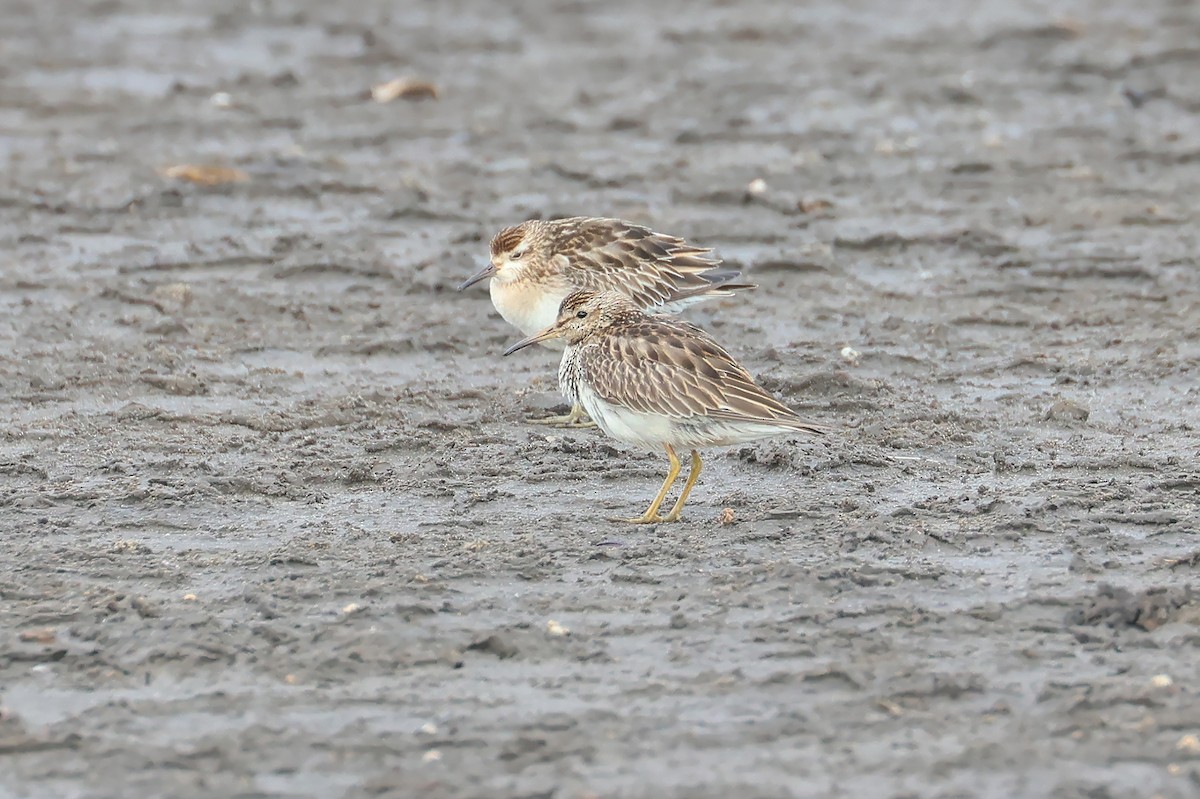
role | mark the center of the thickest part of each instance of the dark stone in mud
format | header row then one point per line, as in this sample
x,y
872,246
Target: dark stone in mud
x,y
144,607
497,645
1149,609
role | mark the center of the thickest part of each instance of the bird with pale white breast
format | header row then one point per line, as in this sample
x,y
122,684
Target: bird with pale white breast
x,y
654,381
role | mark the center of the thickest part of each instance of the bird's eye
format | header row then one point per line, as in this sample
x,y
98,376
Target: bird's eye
x,y
581,315
518,255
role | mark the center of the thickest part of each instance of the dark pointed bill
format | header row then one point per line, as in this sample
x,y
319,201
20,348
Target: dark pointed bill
x,y
550,332
482,274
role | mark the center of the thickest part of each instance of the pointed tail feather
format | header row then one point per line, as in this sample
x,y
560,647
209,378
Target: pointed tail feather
x,y
801,426
777,420
717,284
727,289
723,278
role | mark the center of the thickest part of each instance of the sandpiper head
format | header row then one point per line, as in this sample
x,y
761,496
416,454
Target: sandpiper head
x,y
583,314
512,250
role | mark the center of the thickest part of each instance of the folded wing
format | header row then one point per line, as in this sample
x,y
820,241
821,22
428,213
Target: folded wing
x,y
653,269
674,369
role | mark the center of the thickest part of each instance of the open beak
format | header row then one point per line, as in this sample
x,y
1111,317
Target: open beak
x,y
482,274
550,332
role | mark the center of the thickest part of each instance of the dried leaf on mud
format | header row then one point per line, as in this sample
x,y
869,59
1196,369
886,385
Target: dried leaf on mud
x,y
407,88
205,174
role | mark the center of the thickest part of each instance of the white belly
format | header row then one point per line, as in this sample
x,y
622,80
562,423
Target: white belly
x,y
651,430
646,430
527,308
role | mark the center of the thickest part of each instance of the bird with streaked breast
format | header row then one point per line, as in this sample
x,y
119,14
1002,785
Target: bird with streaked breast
x,y
653,381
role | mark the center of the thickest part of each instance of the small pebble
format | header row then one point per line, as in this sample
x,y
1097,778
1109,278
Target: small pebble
x,y
1065,410
173,295
45,635
1190,744
144,607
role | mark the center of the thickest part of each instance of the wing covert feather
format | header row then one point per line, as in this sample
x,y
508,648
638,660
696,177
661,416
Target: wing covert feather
x,y
672,368
651,268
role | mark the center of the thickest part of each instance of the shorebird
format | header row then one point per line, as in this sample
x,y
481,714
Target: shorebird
x,y
656,381
536,264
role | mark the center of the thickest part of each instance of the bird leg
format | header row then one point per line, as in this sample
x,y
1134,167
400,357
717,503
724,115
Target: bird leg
x,y
576,418
651,515
693,476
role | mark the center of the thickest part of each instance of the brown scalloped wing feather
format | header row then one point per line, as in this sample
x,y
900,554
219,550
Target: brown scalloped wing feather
x,y
651,268
672,368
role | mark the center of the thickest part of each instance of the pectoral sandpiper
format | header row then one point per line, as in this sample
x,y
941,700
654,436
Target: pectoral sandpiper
x,y
656,381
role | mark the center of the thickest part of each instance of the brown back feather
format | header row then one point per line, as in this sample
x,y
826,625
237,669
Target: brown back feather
x,y
672,368
653,269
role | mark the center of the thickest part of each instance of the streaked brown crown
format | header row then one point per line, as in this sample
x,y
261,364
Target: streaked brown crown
x,y
577,300
602,306
510,237
603,310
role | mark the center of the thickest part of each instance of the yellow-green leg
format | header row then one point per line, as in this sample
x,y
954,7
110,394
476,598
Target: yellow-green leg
x,y
576,418
693,476
651,515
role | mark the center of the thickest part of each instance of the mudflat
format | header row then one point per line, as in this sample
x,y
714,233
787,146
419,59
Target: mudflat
x,y
272,524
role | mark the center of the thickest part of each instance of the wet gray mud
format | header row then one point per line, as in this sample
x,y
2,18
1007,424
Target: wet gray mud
x,y
273,524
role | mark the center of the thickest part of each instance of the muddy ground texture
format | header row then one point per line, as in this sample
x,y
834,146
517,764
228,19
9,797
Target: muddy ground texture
x,y
271,524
